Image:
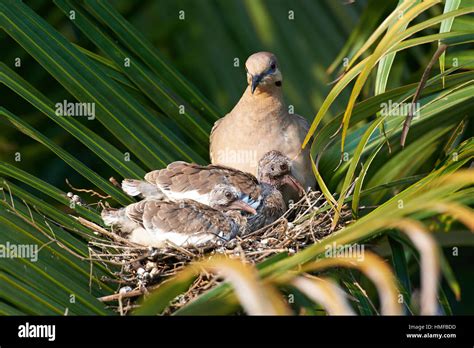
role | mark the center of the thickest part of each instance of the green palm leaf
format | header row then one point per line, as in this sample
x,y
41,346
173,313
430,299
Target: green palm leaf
x,y
149,115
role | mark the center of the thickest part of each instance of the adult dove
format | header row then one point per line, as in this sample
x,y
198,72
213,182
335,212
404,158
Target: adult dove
x,y
259,123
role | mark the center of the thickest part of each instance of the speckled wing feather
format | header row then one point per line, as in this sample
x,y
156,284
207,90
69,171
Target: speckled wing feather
x,y
186,218
135,211
181,180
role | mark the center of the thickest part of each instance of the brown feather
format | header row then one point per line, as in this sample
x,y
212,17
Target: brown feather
x,y
182,177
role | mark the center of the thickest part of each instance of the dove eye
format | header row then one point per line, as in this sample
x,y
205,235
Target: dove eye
x,y
273,66
284,167
228,195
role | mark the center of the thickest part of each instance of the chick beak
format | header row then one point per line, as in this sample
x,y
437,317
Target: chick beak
x,y
255,81
290,180
240,205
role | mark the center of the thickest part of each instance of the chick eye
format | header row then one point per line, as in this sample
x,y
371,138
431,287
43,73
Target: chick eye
x,y
272,168
284,167
228,195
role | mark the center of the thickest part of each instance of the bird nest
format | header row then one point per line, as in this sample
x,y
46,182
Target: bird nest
x,y
138,269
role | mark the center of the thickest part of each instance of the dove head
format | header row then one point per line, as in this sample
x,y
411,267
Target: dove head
x,y
227,197
262,71
274,169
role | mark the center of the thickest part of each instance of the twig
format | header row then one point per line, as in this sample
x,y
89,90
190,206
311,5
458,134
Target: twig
x,y
416,96
41,229
341,75
115,182
92,192
279,237
103,231
133,293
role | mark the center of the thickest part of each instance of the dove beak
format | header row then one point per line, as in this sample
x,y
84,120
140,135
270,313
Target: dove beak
x,y
255,81
291,181
240,205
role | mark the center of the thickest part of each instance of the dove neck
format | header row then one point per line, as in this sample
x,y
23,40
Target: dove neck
x,y
269,210
272,199
266,101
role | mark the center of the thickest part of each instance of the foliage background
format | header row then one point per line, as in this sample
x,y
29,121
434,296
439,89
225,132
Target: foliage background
x,y
203,48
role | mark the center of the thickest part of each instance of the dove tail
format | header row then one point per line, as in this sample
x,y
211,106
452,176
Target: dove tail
x,y
118,219
131,187
112,216
141,188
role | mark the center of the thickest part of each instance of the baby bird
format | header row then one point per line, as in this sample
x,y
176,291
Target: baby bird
x,y
184,223
275,169
274,172
181,180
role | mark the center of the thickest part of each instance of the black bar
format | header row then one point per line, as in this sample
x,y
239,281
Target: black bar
x,y
242,330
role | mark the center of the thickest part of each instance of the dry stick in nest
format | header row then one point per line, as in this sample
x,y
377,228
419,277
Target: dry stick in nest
x,y
133,293
302,207
201,284
92,192
281,218
104,232
416,96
